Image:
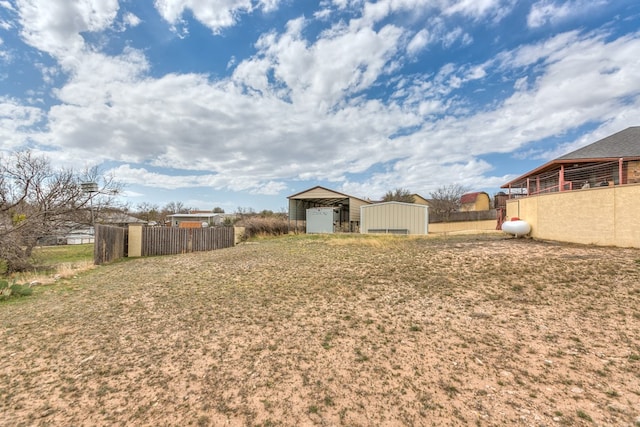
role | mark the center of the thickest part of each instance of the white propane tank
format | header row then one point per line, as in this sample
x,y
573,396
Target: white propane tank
x,y
517,227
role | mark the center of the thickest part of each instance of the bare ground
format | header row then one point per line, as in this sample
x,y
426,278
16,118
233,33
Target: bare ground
x,y
316,330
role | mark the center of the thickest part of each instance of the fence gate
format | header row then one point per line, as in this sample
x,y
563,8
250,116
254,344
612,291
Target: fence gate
x,y
110,243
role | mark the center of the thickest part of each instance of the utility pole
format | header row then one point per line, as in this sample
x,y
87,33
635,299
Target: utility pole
x,y
90,188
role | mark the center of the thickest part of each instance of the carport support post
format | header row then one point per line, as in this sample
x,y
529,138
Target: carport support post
x,y
135,241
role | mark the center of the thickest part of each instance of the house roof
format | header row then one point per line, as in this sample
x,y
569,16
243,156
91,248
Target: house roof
x,y
119,218
471,197
623,144
418,199
194,215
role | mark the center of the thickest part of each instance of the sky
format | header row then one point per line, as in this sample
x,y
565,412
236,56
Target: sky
x,y
242,103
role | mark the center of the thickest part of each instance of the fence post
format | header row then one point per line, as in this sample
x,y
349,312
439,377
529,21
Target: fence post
x,y
135,240
238,233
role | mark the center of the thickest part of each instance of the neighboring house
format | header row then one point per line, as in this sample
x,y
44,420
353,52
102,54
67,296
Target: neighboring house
x,y
118,219
478,201
347,207
419,200
79,238
614,160
196,220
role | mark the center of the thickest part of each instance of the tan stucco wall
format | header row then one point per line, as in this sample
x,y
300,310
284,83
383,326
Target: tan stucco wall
x,y
135,241
482,203
462,226
238,234
600,216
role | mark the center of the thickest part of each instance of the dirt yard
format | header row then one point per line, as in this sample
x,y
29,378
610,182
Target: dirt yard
x,y
329,331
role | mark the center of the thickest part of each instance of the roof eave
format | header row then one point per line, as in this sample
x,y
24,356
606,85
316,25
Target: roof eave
x,y
559,162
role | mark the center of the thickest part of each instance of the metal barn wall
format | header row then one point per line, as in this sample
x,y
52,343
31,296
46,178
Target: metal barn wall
x,y
354,208
394,217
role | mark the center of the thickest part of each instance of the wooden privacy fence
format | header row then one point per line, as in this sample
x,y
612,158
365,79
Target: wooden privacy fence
x,y
110,243
174,240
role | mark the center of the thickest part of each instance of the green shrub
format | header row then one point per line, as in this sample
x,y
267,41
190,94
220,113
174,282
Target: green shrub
x,y
13,290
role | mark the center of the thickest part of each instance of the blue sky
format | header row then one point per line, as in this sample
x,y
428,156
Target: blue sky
x,y
241,103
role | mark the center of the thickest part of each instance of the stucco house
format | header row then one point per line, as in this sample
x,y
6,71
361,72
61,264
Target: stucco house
x,y
614,160
419,200
477,201
588,196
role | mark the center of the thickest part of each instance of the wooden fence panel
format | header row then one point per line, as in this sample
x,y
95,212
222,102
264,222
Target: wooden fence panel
x,y
174,240
109,243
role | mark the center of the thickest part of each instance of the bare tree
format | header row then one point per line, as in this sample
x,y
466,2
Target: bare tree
x,y
148,212
446,199
399,195
175,208
37,201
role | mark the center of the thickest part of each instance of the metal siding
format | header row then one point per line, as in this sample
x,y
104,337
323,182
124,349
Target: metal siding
x,y
413,218
320,193
320,220
294,212
354,209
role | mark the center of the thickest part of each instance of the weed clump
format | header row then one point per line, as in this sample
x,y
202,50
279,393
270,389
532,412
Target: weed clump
x,y
266,226
13,290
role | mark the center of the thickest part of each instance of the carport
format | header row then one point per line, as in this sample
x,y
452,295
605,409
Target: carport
x,y
347,207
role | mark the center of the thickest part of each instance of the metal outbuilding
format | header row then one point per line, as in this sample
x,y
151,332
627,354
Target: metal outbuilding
x,y
347,208
394,218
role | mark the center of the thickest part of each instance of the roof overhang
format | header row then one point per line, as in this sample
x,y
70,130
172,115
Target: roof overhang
x,y
557,164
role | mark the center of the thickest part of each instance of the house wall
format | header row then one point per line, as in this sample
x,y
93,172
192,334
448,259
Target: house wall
x,y
605,216
482,203
396,216
463,226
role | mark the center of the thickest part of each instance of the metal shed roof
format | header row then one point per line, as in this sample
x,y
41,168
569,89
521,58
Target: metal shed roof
x,y
323,196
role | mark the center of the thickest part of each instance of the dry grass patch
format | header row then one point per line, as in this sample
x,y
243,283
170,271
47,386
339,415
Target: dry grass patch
x,y
343,330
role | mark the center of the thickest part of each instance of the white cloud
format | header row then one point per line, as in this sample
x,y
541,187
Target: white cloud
x,y
454,35
575,87
342,63
4,55
550,12
418,42
131,20
15,122
54,26
478,9
215,14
